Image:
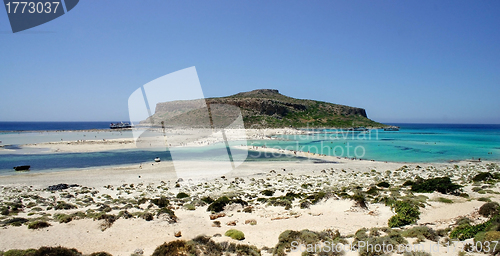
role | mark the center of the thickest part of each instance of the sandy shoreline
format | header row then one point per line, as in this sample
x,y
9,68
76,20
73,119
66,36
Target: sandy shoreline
x,y
86,145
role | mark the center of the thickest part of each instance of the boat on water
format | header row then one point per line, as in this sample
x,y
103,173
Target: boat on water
x,y
22,168
120,125
392,128
358,129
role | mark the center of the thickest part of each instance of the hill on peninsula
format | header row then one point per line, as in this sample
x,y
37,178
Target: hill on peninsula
x,y
264,108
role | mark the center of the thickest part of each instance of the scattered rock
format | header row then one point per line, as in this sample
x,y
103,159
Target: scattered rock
x,y
251,222
217,215
178,234
139,251
61,186
231,223
217,235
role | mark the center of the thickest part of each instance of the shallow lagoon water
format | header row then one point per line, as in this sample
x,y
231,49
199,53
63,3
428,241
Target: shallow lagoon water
x,y
413,143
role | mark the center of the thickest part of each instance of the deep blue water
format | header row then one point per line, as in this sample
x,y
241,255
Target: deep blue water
x,y
52,126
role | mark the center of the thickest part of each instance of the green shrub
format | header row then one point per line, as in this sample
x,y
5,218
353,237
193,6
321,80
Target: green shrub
x,y
492,236
204,245
421,231
61,205
366,244
16,222
57,251
219,204
100,254
482,239
44,251
482,176
147,216
383,184
11,208
466,231
281,202
368,249
246,250
181,195
28,252
373,190
444,200
38,224
207,200
104,208
190,207
489,209
62,218
235,234
477,189
359,199
408,183
267,192
124,214
317,197
177,247
484,199
306,237
160,202
4,210
442,185
406,213
108,220
305,204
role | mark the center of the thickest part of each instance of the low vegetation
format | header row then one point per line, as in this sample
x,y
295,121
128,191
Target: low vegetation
x,y
442,185
203,245
235,234
406,213
465,230
307,237
38,224
44,251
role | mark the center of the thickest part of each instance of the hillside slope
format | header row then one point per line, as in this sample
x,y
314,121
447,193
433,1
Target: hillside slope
x,y
265,108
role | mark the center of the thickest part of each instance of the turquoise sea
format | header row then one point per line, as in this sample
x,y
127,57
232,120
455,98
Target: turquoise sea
x,y
413,143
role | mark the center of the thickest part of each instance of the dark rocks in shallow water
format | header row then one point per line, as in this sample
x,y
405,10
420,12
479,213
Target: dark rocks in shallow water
x,y
61,186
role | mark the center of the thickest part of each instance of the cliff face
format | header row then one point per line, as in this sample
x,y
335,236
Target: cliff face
x,y
267,108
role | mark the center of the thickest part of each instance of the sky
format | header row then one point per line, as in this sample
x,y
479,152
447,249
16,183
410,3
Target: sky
x,y
403,61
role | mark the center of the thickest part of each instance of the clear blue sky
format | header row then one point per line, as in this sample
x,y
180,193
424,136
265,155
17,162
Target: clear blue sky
x,y
403,61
